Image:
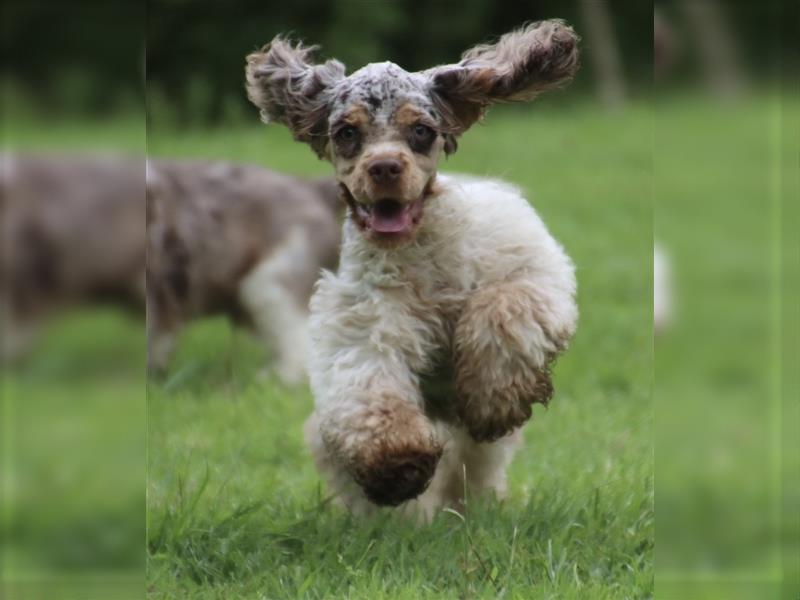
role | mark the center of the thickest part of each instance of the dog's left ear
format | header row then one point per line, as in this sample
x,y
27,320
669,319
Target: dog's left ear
x,y
288,87
519,67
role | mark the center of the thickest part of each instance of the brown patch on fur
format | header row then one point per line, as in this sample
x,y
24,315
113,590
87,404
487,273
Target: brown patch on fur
x,y
397,476
287,87
511,403
397,454
519,67
357,116
408,114
497,378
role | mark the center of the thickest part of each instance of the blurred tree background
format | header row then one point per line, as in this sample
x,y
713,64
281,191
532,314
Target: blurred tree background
x,y
85,56
196,50
193,50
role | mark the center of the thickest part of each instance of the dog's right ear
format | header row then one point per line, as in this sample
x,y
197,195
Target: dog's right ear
x,y
288,88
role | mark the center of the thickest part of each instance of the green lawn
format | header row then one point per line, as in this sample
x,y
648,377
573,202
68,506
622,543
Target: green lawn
x,y
727,456
236,509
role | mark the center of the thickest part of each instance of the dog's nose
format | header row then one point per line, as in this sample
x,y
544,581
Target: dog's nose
x,y
385,170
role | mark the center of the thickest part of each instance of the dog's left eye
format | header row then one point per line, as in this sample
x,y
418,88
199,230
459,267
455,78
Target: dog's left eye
x,y
422,132
421,138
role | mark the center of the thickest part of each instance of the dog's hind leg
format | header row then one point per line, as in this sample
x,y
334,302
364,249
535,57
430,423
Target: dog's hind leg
x,y
486,465
275,294
161,334
466,467
159,348
16,338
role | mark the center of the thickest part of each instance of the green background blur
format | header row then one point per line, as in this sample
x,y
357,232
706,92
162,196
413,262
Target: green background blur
x,y
710,415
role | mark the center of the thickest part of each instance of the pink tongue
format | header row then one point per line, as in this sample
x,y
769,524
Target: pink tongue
x,y
391,218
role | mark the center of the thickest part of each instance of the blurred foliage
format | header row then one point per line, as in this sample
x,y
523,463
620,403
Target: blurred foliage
x,y
93,55
95,58
86,54
202,45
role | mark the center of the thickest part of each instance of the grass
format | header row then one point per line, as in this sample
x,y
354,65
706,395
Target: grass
x,y
726,393
235,507
73,441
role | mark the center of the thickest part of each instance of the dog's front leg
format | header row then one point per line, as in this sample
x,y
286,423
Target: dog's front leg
x,y
384,441
369,409
505,341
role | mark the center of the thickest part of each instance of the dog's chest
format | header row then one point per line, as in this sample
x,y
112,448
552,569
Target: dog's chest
x,y
440,300
435,291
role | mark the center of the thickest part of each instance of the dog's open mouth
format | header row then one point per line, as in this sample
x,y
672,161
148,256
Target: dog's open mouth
x,y
387,217
390,216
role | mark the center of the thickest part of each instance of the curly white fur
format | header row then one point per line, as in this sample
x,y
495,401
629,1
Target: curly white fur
x,y
435,337
388,315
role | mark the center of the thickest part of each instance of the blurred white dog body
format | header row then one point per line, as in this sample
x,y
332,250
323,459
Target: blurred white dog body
x,y
662,290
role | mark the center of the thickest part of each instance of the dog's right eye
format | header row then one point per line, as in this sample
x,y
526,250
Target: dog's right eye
x,y
346,134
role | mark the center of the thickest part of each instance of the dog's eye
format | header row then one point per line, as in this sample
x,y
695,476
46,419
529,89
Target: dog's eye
x,y
421,138
348,133
347,141
422,132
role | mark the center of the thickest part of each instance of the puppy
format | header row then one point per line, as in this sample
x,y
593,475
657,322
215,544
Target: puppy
x,y
435,337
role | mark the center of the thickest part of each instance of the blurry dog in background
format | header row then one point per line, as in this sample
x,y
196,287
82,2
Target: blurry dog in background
x,y
238,240
72,233
211,238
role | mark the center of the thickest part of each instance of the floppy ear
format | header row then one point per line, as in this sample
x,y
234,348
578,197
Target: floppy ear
x,y
288,88
520,66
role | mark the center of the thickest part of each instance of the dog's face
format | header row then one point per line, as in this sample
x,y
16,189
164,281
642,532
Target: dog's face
x,y
384,128
384,140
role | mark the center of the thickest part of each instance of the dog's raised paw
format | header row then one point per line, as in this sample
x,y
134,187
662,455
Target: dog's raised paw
x,y
394,478
498,412
490,428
